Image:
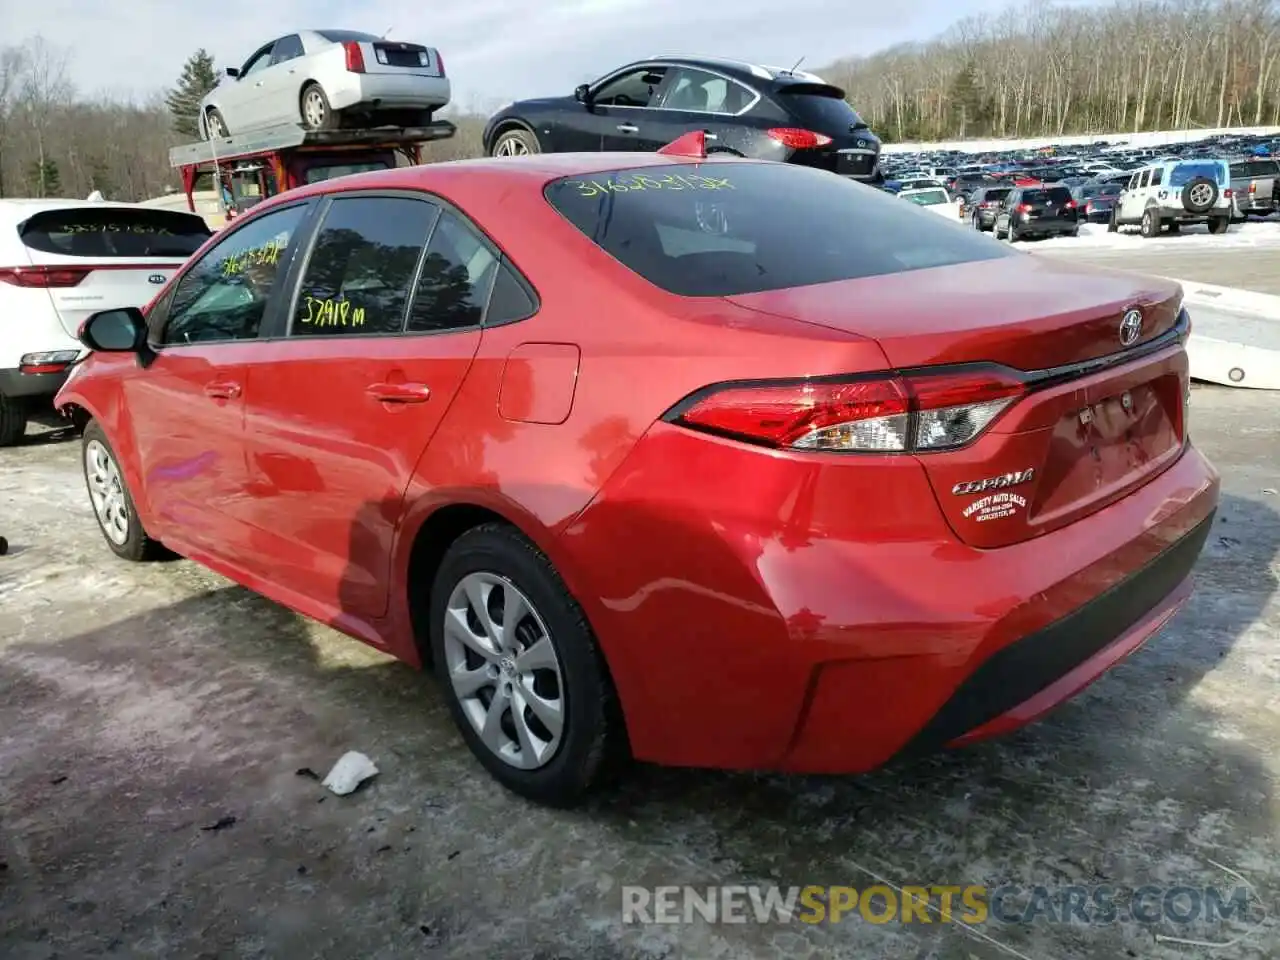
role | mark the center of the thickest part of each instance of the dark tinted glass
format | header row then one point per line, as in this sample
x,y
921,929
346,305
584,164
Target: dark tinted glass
x,y
1051,195
105,232
509,300
358,277
704,92
634,89
721,229
819,107
456,277
224,295
323,171
347,36
999,193
286,48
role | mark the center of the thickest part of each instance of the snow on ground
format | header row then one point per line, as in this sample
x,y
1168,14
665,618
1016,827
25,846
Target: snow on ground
x,y
1156,139
1258,233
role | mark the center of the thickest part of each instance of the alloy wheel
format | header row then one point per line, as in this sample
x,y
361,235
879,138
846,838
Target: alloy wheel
x,y
511,147
503,668
106,491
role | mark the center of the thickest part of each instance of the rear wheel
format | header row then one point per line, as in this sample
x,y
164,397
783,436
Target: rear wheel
x,y
1151,223
1219,225
315,109
112,503
520,668
1113,225
13,420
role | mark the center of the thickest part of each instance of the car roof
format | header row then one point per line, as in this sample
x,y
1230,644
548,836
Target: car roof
x,y
742,68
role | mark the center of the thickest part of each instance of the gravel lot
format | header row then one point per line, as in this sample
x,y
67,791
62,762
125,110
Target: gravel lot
x,y
140,706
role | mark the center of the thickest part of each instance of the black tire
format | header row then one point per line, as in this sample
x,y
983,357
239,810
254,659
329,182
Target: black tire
x,y
313,107
1074,233
1219,225
1113,225
593,737
516,142
137,546
1150,223
1199,195
1175,227
13,420
214,119
1013,233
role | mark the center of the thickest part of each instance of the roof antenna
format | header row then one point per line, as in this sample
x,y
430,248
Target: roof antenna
x,y
797,66
385,32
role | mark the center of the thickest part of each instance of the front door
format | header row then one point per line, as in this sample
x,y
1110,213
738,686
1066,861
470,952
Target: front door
x,y
621,115
343,401
187,408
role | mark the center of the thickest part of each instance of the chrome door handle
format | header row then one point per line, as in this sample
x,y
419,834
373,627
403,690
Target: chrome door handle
x,y
628,128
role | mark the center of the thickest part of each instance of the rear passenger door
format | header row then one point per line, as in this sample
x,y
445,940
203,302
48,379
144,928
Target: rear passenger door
x,y
383,326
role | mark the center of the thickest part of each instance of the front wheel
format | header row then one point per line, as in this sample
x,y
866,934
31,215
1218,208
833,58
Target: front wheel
x,y
519,666
13,420
1150,223
112,503
1113,225
215,126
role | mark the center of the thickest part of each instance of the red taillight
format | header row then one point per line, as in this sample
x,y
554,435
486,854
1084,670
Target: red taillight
x,y
43,276
1024,208
355,56
1228,193
900,414
1071,205
1253,188
1088,207
799,139
440,63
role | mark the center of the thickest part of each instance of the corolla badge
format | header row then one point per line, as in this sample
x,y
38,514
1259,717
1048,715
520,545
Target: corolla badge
x,y
157,278
1131,328
995,483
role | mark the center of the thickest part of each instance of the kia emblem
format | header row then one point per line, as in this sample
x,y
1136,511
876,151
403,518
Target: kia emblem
x,y
157,278
1131,328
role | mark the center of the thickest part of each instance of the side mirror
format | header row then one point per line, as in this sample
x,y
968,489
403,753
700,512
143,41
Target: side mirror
x,y
582,93
115,331
233,72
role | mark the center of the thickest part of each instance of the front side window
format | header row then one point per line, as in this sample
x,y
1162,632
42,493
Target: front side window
x,y
259,61
361,268
224,295
635,88
722,229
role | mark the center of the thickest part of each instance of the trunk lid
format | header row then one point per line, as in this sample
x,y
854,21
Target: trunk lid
x,y
1084,435
392,56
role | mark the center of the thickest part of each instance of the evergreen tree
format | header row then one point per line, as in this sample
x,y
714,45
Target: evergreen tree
x,y
967,101
100,177
43,179
198,78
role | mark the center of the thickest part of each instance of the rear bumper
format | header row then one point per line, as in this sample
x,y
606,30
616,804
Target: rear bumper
x,y
1048,225
825,620
15,383
407,91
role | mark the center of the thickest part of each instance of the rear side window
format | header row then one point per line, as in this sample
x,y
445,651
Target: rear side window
x,y
103,233
456,277
1255,168
358,277
722,229
819,107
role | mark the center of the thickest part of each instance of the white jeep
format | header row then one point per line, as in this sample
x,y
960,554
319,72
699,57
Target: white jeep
x,y
1171,193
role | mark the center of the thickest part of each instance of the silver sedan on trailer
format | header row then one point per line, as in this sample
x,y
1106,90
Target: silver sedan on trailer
x,y
324,78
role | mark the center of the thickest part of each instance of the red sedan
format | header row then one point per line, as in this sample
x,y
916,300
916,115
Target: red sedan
x,y
706,462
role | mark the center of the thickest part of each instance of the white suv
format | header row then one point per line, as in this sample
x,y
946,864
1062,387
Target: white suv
x,y
62,260
1175,192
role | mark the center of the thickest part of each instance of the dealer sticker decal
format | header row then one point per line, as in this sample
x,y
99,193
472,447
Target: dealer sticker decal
x,y
998,506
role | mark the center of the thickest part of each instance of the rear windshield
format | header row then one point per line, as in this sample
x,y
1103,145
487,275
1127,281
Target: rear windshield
x,y
1052,195
928,198
997,194
723,229
114,232
1184,173
347,36
321,172
819,107
1255,168
1088,193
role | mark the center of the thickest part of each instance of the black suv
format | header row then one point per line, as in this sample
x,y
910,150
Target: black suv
x,y
746,110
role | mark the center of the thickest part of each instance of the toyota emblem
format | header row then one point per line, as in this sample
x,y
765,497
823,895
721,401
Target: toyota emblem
x,y
1131,328
157,278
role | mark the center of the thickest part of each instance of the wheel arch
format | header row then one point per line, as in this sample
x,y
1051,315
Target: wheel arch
x,y
118,429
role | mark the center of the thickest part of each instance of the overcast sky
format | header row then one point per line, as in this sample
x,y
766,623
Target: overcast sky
x,y
494,50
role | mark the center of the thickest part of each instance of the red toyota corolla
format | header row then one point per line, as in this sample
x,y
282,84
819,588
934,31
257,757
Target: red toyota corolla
x,y
712,462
